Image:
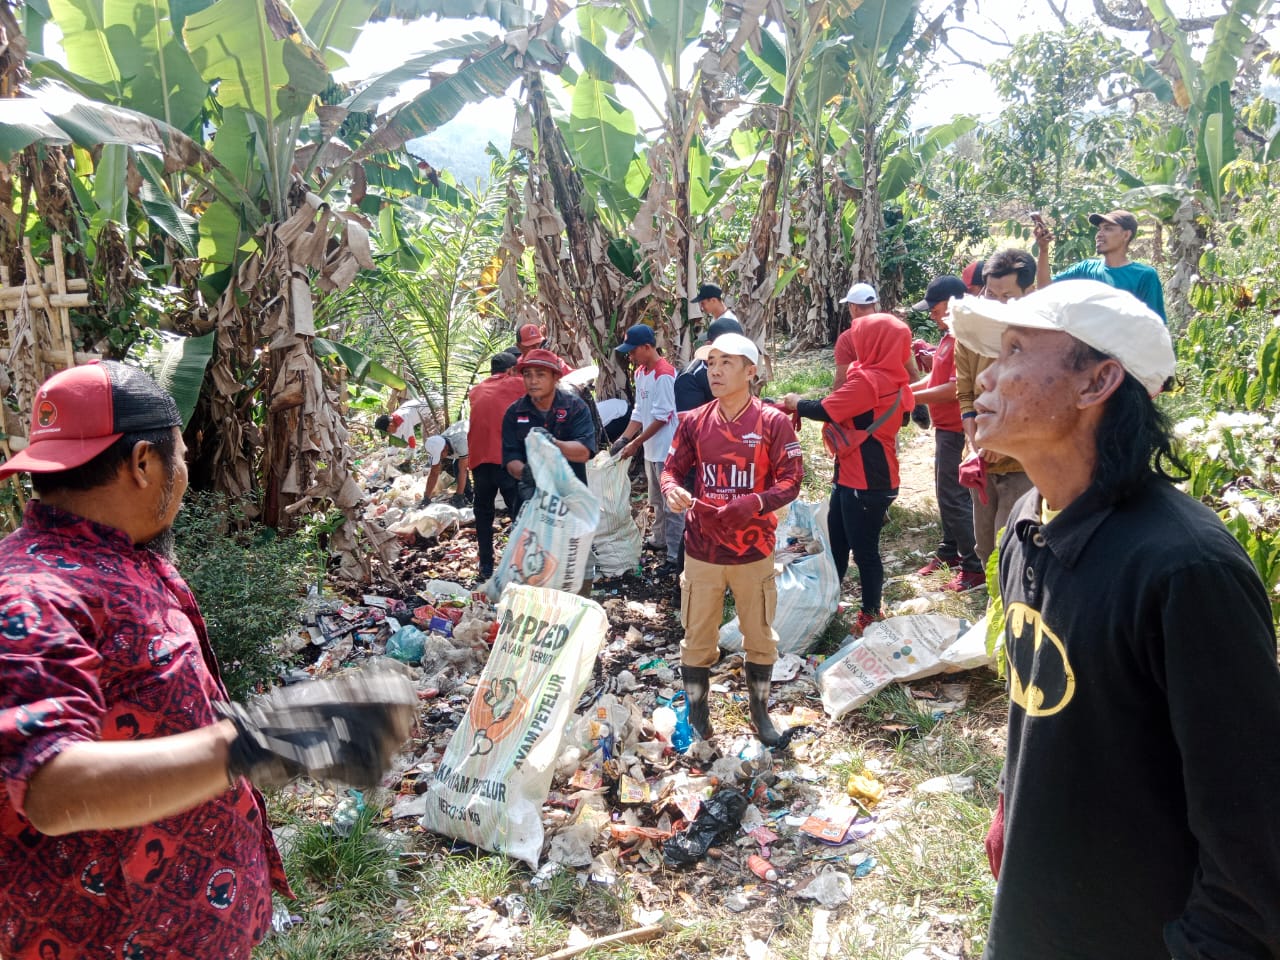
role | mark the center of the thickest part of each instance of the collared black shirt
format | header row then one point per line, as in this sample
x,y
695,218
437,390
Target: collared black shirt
x,y
568,419
1142,783
693,388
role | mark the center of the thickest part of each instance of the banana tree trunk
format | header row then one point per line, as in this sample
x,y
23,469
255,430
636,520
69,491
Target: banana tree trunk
x,y
868,223
1186,245
579,289
757,269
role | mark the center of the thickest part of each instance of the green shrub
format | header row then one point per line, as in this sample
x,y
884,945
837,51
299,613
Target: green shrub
x,y
248,581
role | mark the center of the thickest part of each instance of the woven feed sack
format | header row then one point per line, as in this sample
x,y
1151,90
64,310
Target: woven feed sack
x,y
496,772
550,543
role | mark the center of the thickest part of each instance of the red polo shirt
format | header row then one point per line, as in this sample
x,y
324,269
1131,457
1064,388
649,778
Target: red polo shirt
x,y
489,400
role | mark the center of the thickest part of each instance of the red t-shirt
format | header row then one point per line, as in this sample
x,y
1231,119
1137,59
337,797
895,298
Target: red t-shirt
x,y
757,452
101,640
489,400
946,416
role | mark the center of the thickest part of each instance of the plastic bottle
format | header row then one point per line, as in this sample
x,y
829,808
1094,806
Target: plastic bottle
x,y
682,735
762,868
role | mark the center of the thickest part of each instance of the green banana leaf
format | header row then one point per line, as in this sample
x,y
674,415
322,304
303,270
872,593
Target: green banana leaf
x,y
130,47
1187,67
54,113
387,84
180,368
1231,32
362,366
237,44
601,131
1215,145
110,187
905,164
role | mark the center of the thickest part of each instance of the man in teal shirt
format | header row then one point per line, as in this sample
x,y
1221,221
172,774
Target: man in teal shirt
x,y
1116,231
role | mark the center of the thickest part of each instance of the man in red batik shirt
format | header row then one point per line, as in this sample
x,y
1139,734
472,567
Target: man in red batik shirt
x,y
747,464
123,830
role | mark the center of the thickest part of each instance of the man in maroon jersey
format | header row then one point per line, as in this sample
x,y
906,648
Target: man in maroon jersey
x,y
747,464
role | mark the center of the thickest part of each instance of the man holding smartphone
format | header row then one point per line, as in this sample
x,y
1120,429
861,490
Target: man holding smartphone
x,y
1116,232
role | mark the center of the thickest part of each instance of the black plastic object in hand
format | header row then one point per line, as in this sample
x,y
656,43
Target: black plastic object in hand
x,y
920,416
347,729
525,485
719,818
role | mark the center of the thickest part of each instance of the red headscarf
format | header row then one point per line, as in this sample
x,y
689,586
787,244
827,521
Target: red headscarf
x,y
879,374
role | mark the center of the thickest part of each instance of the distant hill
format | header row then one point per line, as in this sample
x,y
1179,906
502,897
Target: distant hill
x,y
459,146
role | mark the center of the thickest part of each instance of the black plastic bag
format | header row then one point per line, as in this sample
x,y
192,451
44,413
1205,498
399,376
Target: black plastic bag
x,y
719,816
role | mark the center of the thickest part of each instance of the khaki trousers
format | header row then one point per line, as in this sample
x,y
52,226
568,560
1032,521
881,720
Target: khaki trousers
x,y
1003,491
755,595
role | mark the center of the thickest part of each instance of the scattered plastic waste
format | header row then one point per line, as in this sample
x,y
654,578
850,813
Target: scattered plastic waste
x,y
762,868
830,887
865,788
719,817
407,644
682,736
347,813
949,783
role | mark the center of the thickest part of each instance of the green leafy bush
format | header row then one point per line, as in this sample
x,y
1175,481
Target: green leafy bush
x,y
248,581
1228,412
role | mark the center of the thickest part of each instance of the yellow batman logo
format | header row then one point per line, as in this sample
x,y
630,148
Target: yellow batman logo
x,y
1041,680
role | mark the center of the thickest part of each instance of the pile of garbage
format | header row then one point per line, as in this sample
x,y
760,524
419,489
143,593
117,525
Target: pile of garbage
x,y
396,485
442,631
621,785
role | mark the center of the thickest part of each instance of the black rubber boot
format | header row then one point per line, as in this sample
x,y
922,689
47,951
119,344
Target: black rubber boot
x,y
758,679
697,684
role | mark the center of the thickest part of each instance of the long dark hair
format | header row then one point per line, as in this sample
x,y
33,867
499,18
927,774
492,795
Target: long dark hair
x,y
1134,439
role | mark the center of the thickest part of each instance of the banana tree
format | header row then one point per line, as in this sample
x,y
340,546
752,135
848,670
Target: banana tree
x,y
667,192
433,317
1203,90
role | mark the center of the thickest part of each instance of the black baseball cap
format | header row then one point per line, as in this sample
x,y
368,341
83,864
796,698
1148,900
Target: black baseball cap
x,y
943,288
708,291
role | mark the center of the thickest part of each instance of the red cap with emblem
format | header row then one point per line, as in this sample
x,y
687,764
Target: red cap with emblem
x,y
77,413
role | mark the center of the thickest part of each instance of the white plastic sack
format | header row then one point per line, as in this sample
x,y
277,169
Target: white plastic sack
x,y
617,540
808,588
433,520
496,772
550,544
897,649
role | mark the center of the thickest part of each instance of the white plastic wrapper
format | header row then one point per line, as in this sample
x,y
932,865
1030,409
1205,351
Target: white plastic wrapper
x,y
433,520
496,772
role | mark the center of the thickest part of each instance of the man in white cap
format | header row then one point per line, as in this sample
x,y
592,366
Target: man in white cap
x,y
746,463
863,301
1142,656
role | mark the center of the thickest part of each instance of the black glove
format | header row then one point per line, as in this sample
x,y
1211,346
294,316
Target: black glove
x,y
525,485
920,416
347,729
615,448
458,500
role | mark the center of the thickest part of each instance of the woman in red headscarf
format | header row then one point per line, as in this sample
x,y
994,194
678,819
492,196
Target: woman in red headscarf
x,y
861,420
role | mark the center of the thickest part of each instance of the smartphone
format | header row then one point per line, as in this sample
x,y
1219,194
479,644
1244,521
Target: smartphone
x,y
1038,220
